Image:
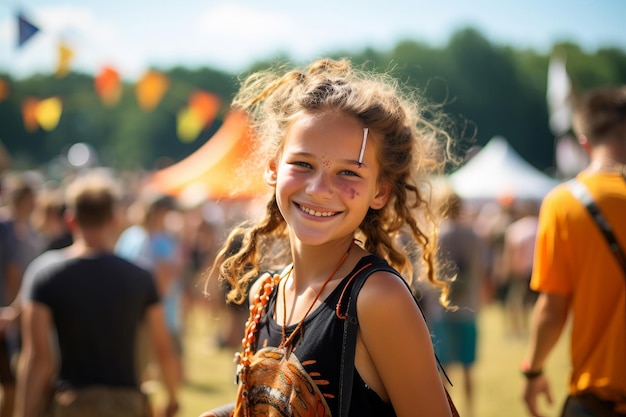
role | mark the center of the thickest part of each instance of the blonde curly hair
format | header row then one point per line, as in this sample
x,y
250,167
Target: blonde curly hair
x,y
413,148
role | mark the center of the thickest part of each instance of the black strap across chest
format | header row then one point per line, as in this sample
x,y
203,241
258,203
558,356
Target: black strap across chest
x,y
579,191
351,324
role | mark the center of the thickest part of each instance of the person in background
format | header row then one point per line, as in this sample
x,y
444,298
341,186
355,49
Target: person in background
x,y
517,265
455,332
22,243
50,219
578,275
93,301
152,246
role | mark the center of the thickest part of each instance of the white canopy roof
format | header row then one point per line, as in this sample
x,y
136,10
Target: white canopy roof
x,y
496,171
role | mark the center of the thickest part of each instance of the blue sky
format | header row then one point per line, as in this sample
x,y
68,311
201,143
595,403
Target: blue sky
x,y
133,35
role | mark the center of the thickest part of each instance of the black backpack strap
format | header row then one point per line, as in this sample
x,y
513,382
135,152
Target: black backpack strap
x,y
579,191
351,325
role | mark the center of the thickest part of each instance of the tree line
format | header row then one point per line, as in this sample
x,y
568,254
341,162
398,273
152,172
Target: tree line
x,y
487,89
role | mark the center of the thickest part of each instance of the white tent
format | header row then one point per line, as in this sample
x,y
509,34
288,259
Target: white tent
x,y
497,171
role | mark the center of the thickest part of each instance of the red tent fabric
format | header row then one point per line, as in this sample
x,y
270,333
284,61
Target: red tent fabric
x,y
213,171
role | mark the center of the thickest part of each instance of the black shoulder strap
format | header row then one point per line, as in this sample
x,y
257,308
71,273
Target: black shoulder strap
x,y
579,191
350,327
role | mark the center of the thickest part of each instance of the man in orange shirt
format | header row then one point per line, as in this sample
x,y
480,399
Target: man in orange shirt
x,y
576,272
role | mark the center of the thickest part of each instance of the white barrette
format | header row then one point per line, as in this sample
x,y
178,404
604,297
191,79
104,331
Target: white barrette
x,y
365,129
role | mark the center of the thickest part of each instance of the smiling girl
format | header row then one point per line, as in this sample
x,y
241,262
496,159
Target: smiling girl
x,y
348,156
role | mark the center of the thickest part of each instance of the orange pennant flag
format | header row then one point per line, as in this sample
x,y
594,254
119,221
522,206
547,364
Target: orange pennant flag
x,y
4,89
150,89
108,86
205,105
64,61
48,113
29,113
188,125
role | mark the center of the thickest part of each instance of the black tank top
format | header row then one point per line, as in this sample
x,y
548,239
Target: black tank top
x,y
318,348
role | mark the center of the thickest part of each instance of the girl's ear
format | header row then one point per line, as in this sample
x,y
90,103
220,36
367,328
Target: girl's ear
x,y
382,195
271,173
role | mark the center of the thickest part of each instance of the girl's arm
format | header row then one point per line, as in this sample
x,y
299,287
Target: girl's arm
x,y
394,352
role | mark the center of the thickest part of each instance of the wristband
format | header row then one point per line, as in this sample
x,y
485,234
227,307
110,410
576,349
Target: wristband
x,y
530,374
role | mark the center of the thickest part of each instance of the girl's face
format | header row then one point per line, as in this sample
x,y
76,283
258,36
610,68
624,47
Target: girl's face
x,y
322,191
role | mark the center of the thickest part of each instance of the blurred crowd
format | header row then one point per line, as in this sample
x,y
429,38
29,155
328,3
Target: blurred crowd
x,y
487,246
174,240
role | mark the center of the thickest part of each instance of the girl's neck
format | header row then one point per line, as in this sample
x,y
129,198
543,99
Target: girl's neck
x,y
311,264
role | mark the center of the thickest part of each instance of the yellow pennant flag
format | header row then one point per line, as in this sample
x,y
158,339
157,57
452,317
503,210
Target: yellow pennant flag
x,y
205,105
150,89
49,112
4,89
64,60
188,125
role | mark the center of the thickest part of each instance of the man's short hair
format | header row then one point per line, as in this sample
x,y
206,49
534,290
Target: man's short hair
x,y
599,113
93,199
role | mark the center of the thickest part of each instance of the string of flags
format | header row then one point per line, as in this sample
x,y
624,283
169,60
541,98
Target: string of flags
x,y
200,111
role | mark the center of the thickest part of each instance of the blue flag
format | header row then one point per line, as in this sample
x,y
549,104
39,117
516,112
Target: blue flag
x,y
26,30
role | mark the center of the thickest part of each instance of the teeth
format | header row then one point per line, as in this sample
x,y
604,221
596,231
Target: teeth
x,y
317,213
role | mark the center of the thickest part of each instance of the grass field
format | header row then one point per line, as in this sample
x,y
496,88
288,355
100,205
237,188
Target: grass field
x,y
498,383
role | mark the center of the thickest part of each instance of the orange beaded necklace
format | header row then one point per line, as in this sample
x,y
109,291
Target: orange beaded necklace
x,y
286,341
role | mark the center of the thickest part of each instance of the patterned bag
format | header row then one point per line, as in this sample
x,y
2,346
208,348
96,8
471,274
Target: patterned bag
x,y
277,386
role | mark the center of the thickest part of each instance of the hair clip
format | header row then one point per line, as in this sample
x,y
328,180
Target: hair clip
x,y
365,129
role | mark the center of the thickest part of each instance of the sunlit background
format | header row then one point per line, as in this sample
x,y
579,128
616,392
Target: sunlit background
x,y
143,88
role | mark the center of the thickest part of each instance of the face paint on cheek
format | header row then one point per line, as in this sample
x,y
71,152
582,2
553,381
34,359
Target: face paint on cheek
x,y
350,192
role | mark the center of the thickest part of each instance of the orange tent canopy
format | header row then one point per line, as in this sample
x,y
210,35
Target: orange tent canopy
x,y
214,169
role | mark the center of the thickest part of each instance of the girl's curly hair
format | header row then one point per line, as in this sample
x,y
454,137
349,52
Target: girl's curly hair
x,y
412,148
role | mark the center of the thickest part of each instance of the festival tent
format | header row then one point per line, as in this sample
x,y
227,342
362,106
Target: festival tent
x,y
497,171
214,170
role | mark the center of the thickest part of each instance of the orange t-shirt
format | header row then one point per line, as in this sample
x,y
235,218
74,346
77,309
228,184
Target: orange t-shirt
x,y
572,258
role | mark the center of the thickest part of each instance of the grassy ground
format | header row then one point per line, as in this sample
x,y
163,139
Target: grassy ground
x,y
497,380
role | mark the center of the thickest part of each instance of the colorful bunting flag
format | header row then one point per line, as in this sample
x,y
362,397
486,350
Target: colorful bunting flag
x,y
205,105
48,113
150,89
26,30
4,89
199,114
188,125
559,95
108,86
64,61
29,113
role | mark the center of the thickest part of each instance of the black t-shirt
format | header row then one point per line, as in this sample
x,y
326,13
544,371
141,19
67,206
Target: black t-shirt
x,y
319,350
97,304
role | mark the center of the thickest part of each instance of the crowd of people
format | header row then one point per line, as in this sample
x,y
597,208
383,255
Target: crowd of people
x,y
46,226
97,275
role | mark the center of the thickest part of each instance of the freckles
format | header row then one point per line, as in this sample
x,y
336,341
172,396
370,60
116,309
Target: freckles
x,y
325,161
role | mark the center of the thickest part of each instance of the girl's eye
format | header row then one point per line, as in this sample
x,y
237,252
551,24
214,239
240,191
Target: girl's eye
x,y
349,173
302,164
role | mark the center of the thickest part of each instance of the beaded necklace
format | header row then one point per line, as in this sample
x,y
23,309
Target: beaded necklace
x,y
259,302
286,341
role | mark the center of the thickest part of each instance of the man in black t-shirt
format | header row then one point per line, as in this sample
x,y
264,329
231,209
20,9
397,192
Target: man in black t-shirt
x,y
94,301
